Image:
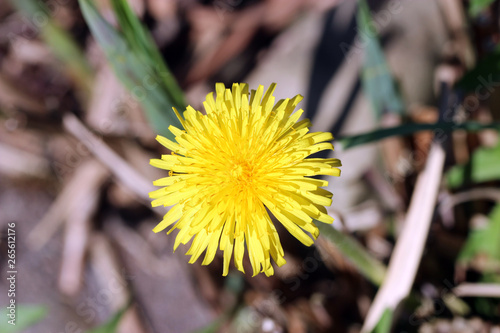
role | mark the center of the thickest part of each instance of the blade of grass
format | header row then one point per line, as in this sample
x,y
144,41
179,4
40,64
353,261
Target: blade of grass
x,y
367,265
482,167
477,6
141,39
112,325
410,244
377,80
142,75
410,128
26,316
59,41
385,322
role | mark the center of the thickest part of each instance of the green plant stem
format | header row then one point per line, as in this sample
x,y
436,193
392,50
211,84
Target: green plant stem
x,y
369,266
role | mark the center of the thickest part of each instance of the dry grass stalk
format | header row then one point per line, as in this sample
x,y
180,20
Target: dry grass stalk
x,y
484,193
77,231
17,163
85,184
477,290
409,247
133,180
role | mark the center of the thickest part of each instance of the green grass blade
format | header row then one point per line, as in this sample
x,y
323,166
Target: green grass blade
x,y
483,166
410,128
367,265
141,39
26,316
377,80
112,325
477,6
138,74
385,322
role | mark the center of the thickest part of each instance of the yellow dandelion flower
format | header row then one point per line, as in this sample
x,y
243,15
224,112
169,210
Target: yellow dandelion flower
x,y
228,168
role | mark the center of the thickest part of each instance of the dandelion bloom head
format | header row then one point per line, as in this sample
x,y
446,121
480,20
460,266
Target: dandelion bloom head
x,y
229,167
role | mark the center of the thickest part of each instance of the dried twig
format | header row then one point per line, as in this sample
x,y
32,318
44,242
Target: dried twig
x,y
455,18
117,165
449,201
477,290
78,226
18,163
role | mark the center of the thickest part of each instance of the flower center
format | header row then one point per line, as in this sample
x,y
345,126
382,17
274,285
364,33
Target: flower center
x,y
241,173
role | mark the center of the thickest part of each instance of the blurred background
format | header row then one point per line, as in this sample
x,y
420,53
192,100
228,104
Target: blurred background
x,y
408,88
